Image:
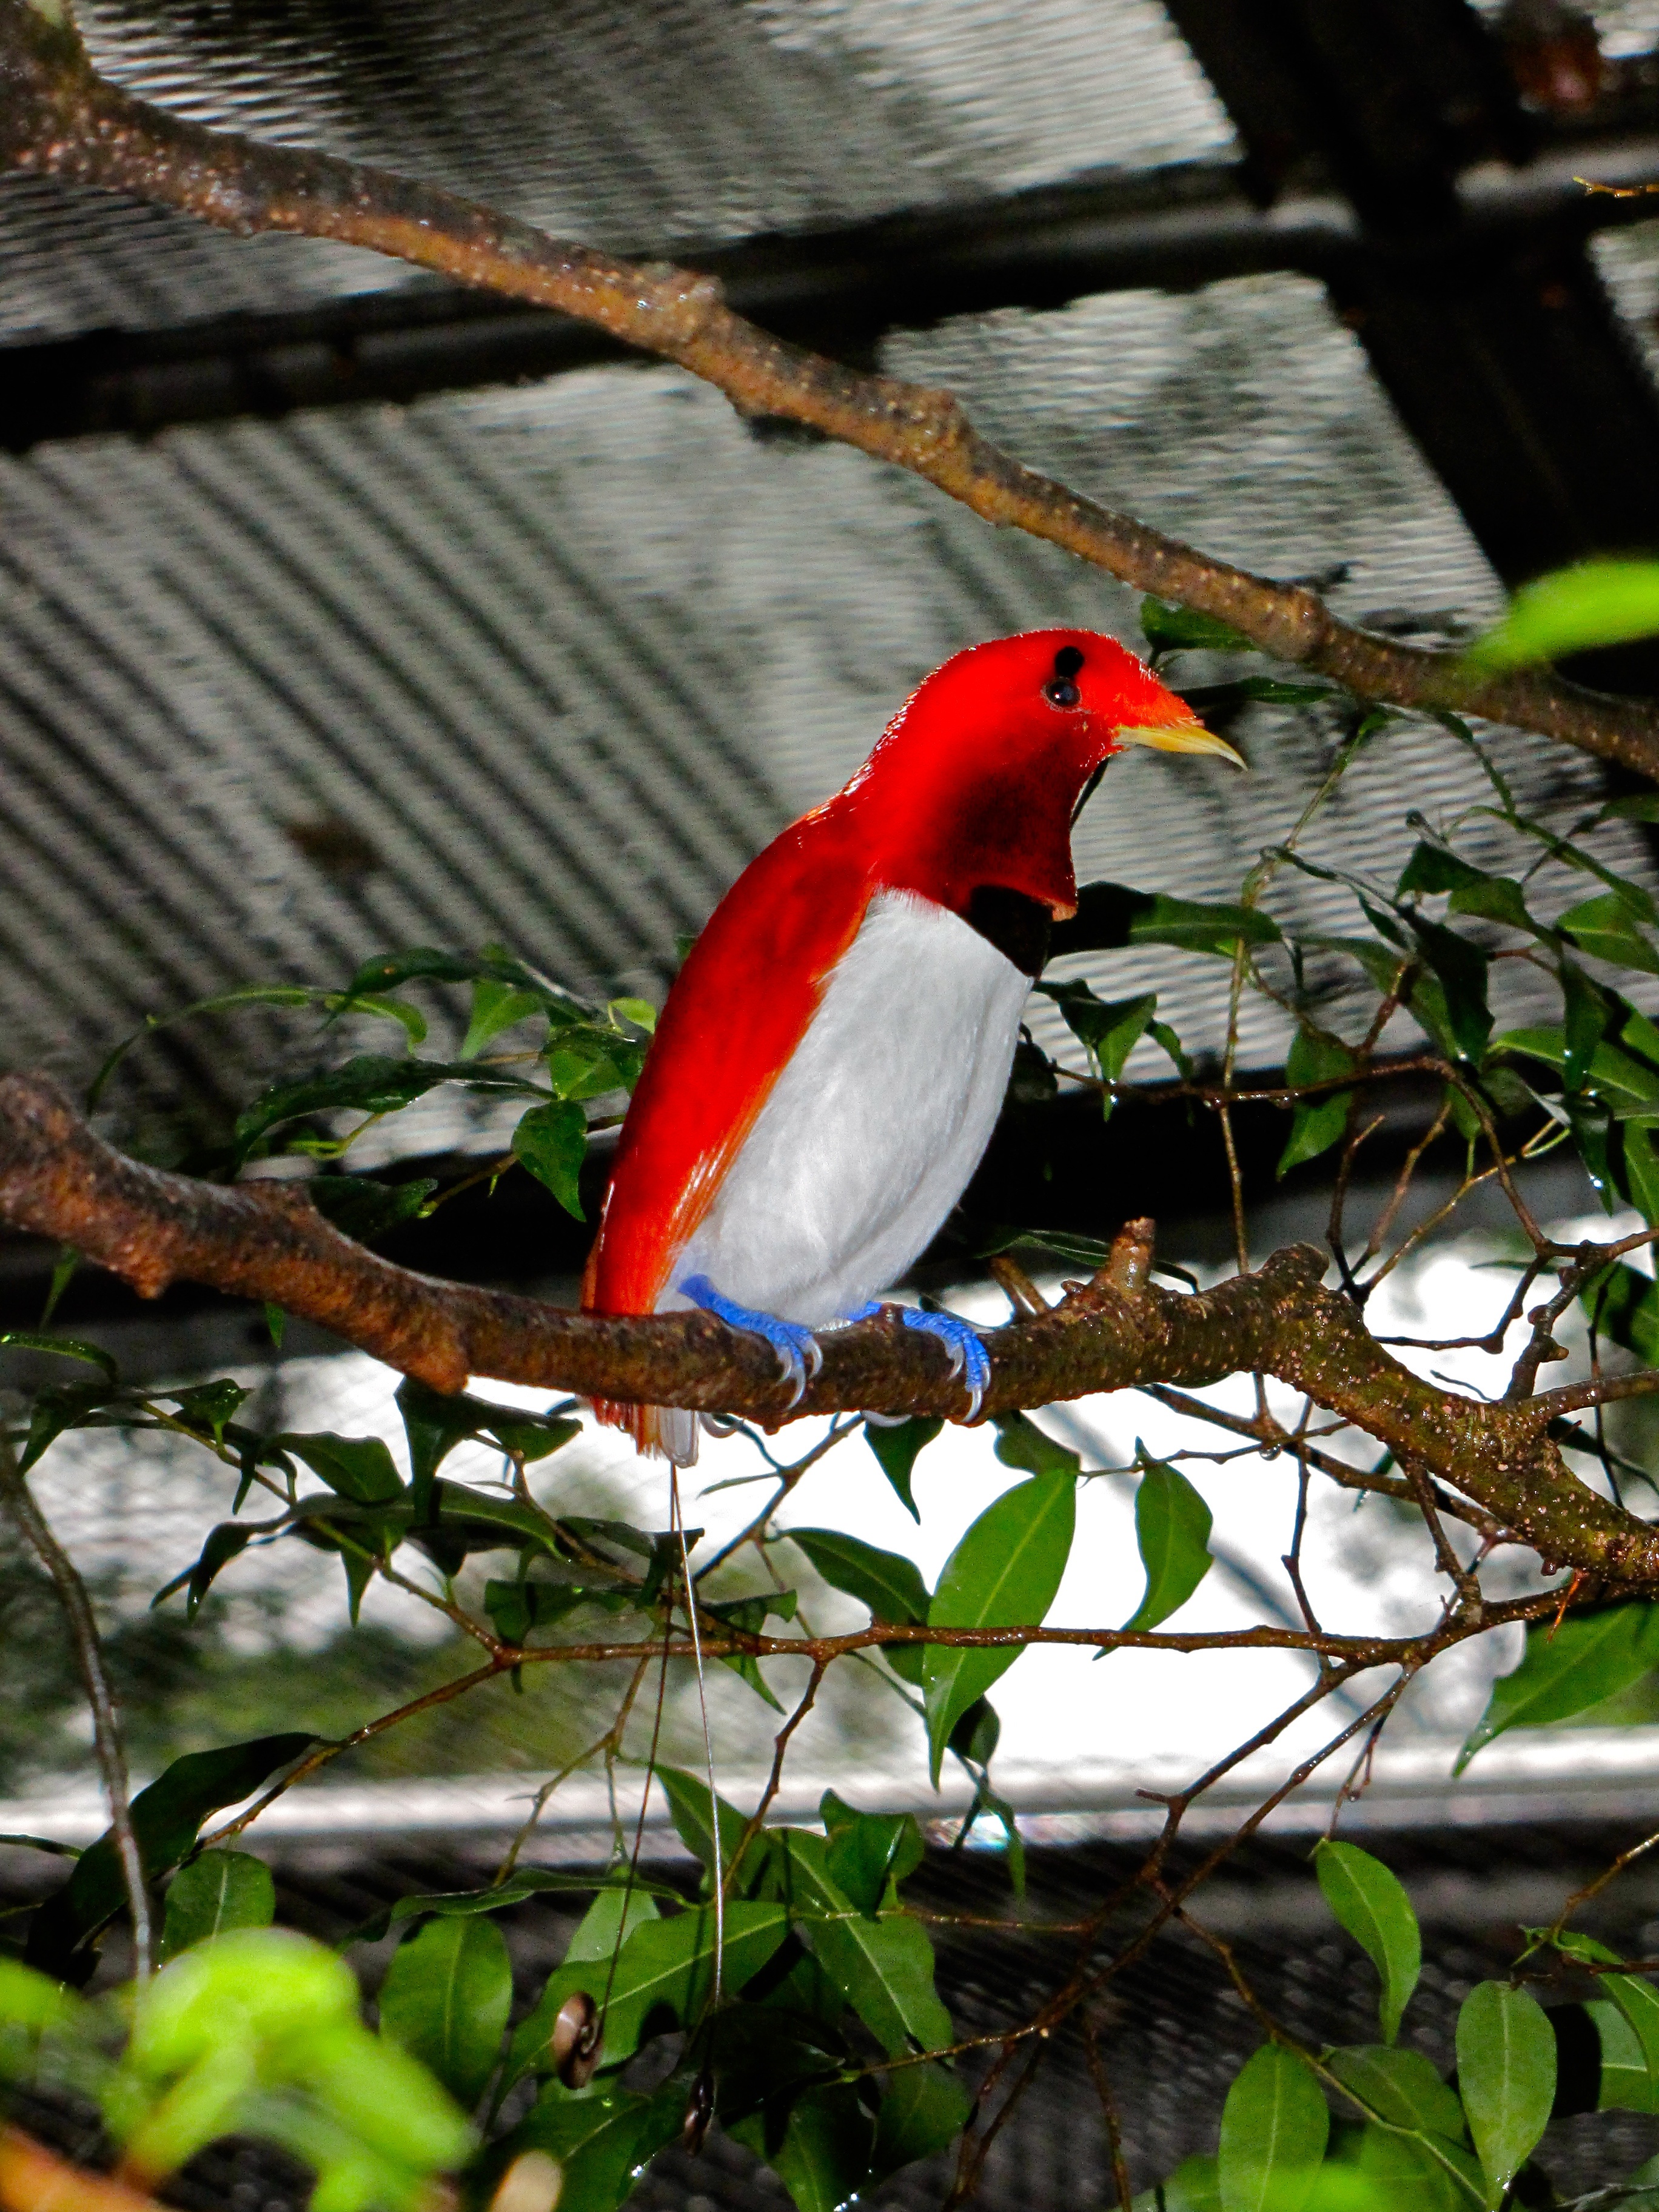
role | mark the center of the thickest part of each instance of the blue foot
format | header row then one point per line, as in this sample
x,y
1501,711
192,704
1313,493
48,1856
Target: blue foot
x,y
968,1357
797,1347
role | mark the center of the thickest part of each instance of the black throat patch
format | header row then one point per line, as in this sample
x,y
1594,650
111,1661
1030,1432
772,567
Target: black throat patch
x,y
1017,925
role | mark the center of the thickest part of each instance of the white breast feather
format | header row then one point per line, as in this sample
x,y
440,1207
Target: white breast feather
x,y
875,1126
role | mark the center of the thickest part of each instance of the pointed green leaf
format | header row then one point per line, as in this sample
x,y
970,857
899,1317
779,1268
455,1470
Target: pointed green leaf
x,y
688,1807
1108,1031
1274,2129
1004,1573
1604,926
1564,1670
1506,2078
925,2110
1172,1528
1370,1902
884,1966
166,1817
1400,2087
357,1468
552,1143
889,1583
445,1998
1459,967
896,1449
496,1007
1316,1123
217,1890
1021,1444
1169,628
868,1851
821,2153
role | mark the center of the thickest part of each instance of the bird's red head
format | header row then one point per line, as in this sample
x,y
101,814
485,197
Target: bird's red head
x,y
976,780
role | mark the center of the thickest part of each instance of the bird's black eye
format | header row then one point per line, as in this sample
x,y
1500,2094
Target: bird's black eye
x,y
1061,690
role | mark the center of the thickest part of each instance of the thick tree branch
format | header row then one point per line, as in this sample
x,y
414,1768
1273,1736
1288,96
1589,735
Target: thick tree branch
x,y
266,1240
58,118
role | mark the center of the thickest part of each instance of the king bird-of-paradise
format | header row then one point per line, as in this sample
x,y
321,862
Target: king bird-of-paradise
x,y
830,1062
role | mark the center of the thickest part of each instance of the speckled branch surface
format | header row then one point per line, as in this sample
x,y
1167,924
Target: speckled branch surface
x,y
266,1240
59,118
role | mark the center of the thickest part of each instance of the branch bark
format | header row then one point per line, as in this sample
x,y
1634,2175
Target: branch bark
x,y
266,1240
59,118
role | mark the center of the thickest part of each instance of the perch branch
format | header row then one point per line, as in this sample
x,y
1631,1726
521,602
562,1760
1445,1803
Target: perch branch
x,y
59,118
266,1240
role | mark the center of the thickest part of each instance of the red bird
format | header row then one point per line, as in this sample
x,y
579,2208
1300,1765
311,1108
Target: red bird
x,y
832,1057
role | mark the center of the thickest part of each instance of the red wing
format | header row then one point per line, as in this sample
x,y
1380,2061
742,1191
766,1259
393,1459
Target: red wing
x,y
740,1005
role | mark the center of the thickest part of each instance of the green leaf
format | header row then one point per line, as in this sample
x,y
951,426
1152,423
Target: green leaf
x,y
1588,1014
1506,2078
1112,915
889,1583
1460,969
884,1966
925,2110
217,1890
868,1851
526,1882
1194,2186
1603,925
1108,1030
1400,2087
1370,1902
445,1998
615,1913
600,2140
1628,1309
689,1808
435,1423
896,1449
1172,1529
362,1209
516,1608
1637,2003
357,1468
1169,628
1003,1574
822,2154
1433,869
67,1347
1627,2081
1274,2129
369,1083
1593,602
1564,1670
166,1817
1316,1123
496,1006
552,1143
1413,2173
1021,1444
666,1964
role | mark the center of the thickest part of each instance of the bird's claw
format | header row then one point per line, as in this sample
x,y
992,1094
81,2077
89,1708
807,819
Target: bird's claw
x,y
968,1357
798,1353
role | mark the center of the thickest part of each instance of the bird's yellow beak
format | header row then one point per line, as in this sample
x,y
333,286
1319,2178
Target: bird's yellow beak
x,y
1186,736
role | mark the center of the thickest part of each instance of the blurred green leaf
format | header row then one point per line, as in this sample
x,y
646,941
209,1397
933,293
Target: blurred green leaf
x,y
1274,2129
1004,1573
688,1807
369,1083
445,1998
1627,2082
1369,1901
216,1891
821,2153
1194,2186
67,1347
896,1449
1433,869
1627,1306
1506,2078
1169,628
601,2141
1172,1529
1564,1670
552,1143
1316,1123
1593,603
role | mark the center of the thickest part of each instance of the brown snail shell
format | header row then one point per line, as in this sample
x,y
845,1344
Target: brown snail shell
x,y
577,2039
699,2112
